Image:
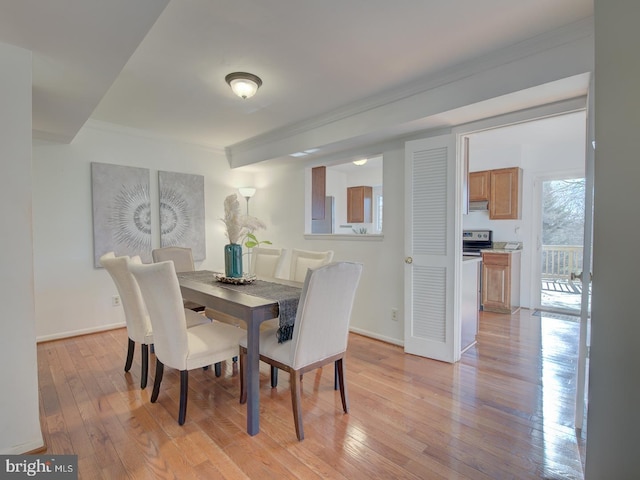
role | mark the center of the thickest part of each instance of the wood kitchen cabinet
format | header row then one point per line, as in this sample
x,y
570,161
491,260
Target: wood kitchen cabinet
x,y
359,202
505,200
501,281
318,189
479,186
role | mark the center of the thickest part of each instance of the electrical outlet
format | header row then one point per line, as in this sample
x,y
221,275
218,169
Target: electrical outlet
x,y
394,314
115,301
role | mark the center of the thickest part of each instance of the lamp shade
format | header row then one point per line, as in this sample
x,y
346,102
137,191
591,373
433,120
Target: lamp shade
x,y
247,192
245,85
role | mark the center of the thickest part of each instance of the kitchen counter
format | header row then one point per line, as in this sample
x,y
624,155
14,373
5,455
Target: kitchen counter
x,y
500,250
471,258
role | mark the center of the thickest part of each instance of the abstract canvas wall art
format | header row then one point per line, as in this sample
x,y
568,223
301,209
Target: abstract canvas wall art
x,y
121,211
182,212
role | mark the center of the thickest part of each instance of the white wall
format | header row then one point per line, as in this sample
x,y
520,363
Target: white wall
x,y
614,390
19,413
536,160
73,297
381,288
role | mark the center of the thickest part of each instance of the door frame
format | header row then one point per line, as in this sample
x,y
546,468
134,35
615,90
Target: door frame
x,y
559,108
536,233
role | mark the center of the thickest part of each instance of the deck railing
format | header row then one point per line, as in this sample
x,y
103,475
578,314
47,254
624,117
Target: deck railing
x,y
560,261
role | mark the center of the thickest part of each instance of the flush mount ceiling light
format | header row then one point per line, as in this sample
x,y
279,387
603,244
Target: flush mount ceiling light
x,y
360,162
305,153
245,85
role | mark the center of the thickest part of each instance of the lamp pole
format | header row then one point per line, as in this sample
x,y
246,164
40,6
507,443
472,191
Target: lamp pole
x,y
247,193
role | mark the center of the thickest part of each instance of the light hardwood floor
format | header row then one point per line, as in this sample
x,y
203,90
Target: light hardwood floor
x,y
504,411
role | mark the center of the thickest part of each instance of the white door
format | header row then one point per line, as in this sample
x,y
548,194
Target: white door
x,y
430,248
585,311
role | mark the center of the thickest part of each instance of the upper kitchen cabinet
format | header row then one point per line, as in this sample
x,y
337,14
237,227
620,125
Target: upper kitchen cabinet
x,y
479,186
505,200
318,192
359,200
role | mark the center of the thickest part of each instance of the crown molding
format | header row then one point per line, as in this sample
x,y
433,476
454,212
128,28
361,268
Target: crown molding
x,y
549,40
139,133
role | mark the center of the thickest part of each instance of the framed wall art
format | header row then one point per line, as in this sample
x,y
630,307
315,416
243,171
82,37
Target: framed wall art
x,y
121,211
182,212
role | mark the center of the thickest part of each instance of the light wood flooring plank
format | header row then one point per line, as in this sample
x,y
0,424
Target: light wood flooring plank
x,y
503,411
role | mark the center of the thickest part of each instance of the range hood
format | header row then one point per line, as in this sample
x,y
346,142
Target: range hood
x,y
481,206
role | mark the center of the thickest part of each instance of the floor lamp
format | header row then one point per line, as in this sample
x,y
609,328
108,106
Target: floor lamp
x,y
247,192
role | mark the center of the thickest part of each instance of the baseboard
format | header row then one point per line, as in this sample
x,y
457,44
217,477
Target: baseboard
x,y
76,333
382,338
25,448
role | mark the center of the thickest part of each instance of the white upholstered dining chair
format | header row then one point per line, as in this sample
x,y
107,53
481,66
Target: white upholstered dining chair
x,y
320,333
182,258
137,321
135,312
177,346
302,260
267,262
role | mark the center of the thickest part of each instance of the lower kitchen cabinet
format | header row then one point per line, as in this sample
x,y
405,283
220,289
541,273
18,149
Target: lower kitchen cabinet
x,y
501,281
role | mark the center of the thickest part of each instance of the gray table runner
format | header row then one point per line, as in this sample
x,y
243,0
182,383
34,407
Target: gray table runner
x,y
286,296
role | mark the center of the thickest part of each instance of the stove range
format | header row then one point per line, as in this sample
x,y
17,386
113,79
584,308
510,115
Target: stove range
x,y
475,240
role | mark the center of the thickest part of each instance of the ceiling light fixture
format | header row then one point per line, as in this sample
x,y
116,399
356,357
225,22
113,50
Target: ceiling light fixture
x,y
245,85
360,162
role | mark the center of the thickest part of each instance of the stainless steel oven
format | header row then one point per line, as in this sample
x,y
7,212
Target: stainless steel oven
x,y
475,240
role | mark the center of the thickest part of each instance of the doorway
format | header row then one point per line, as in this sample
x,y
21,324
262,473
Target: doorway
x,y
561,244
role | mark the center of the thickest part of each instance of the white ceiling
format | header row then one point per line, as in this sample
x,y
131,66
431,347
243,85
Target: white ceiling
x,y
141,65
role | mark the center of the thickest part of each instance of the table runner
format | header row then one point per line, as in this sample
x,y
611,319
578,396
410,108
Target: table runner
x,y
286,296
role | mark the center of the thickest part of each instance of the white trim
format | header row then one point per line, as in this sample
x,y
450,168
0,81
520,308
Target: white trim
x,y
369,237
522,116
375,336
24,448
139,133
532,46
76,333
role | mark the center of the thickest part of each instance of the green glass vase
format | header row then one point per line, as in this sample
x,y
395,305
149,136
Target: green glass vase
x,y
233,260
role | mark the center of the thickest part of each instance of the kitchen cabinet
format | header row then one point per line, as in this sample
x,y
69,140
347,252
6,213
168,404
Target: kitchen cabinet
x,y
479,186
359,202
505,200
501,281
318,192
501,188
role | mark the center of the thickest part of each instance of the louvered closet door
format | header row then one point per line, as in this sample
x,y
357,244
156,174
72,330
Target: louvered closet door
x,y
429,257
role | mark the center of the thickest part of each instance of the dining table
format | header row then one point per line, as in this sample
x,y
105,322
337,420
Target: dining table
x,y
252,305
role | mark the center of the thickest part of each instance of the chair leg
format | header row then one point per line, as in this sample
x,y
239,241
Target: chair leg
x,y
184,388
243,386
131,346
274,376
342,384
218,369
157,381
145,366
294,380
335,375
